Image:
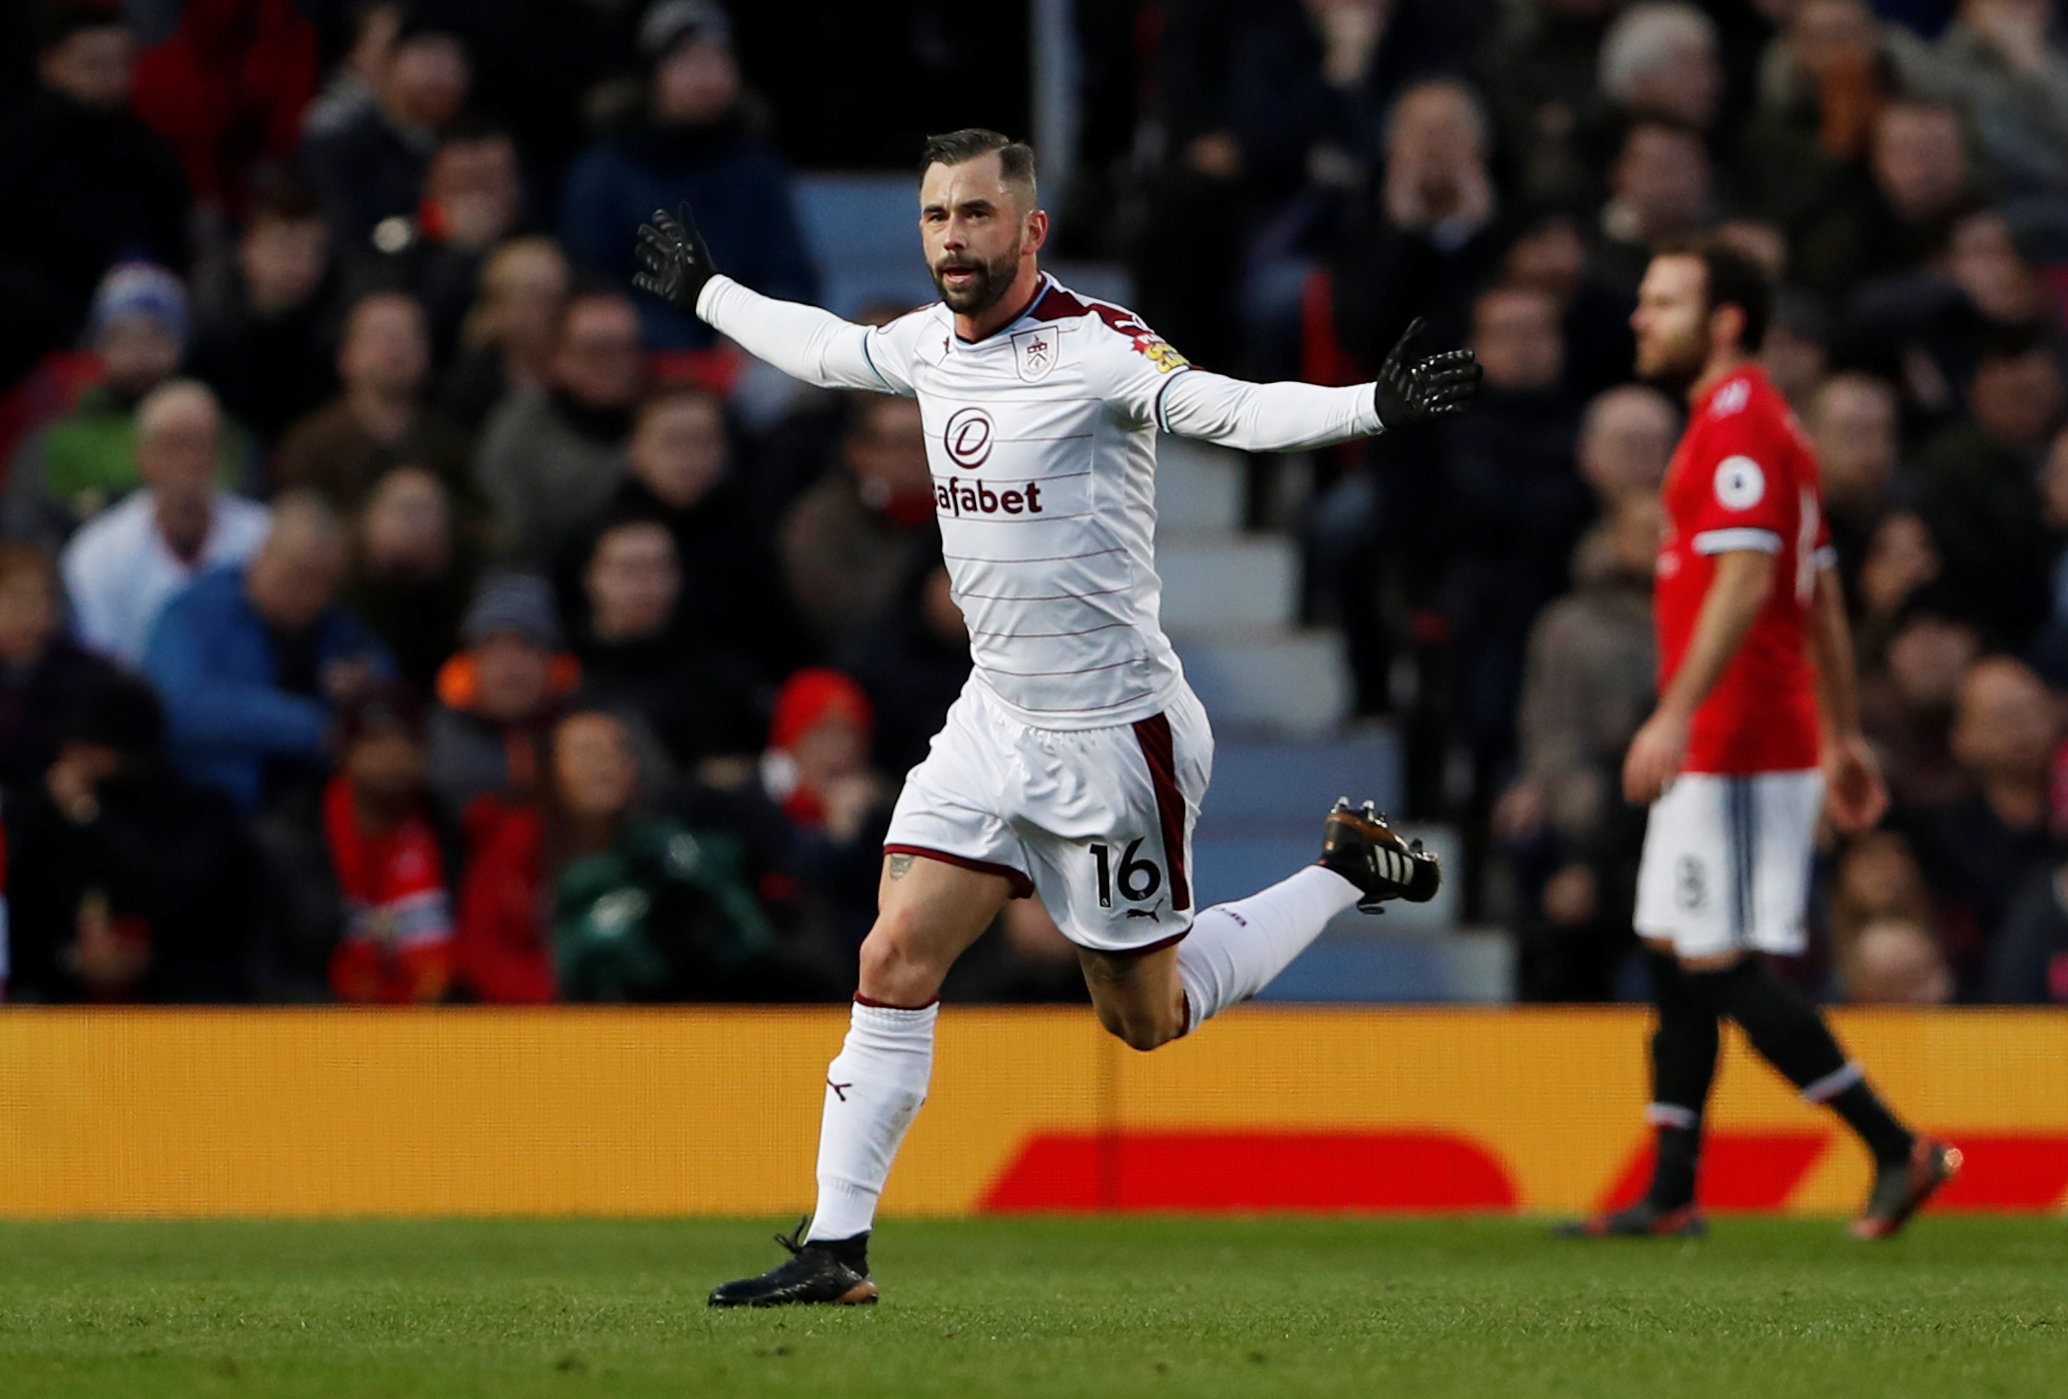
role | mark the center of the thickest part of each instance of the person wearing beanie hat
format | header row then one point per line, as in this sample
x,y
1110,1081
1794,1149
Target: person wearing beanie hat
x,y
692,139
81,463
500,694
817,764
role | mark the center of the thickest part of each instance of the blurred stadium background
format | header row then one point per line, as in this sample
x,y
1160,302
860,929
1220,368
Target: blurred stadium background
x,y
631,638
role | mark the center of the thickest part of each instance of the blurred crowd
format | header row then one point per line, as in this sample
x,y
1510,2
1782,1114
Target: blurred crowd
x,y
393,608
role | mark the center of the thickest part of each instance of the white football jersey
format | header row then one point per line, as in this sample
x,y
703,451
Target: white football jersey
x,y
1042,442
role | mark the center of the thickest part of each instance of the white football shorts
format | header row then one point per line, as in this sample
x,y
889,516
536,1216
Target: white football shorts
x,y
1727,862
1097,821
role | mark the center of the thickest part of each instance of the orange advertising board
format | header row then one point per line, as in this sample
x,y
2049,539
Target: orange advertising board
x,y
714,1111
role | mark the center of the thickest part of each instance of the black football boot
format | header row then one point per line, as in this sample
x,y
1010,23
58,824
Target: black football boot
x,y
1357,843
1643,1220
830,1271
1901,1186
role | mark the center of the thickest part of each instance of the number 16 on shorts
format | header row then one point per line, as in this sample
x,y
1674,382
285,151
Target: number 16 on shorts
x,y
1138,878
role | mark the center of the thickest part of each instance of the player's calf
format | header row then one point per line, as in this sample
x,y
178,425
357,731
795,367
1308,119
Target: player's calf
x,y
1358,844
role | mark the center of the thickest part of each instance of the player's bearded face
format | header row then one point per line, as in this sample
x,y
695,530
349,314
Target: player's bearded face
x,y
1671,323
971,284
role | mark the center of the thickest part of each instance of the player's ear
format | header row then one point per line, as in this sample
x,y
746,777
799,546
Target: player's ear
x,y
1034,232
1727,327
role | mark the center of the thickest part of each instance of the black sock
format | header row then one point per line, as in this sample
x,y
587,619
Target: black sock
x,y
1866,1114
1683,1066
1789,1033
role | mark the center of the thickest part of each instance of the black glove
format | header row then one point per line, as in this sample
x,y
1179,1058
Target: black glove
x,y
1410,389
677,262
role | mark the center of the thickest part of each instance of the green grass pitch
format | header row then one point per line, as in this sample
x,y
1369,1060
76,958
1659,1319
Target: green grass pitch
x,y
1961,1307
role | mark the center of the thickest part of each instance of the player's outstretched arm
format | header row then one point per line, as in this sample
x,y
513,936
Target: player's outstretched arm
x,y
802,341
1289,417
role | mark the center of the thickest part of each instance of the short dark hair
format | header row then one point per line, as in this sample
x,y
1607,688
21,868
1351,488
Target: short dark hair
x,y
1015,158
1730,278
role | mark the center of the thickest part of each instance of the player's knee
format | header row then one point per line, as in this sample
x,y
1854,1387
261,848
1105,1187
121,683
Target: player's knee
x,y
1139,1032
893,970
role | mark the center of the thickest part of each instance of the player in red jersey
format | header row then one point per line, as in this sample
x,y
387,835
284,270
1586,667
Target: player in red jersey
x,y
1756,732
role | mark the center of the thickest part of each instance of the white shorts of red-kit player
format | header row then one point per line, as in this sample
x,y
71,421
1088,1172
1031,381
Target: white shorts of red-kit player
x,y
1726,863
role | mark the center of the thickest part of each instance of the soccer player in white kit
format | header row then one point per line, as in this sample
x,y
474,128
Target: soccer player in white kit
x,y
1075,760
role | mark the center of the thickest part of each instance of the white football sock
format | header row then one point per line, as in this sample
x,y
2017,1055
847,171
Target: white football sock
x,y
1235,950
873,1089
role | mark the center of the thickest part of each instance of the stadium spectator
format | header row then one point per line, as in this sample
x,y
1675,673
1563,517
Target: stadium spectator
x,y
1542,68
912,664
497,697
852,540
1997,60
387,859
1978,479
1895,963
379,422
699,701
371,165
2005,731
227,88
78,465
2029,964
412,573
88,182
1626,439
125,881
1907,700
1660,59
683,474
359,874
1901,558
253,663
1550,254
2049,654
265,348
816,766
506,339
1797,352
1853,422
638,907
550,461
367,50
42,671
1883,943
473,199
694,141
1512,506
1431,240
816,772
1661,185
1894,213
1586,688
128,561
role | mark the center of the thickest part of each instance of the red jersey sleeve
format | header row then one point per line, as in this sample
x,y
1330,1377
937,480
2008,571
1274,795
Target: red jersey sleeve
x,y
1746,499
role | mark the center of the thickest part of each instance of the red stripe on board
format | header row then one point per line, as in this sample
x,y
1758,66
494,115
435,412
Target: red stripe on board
x,y
1153,733
2007,1172
1250,1171
1740,1170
